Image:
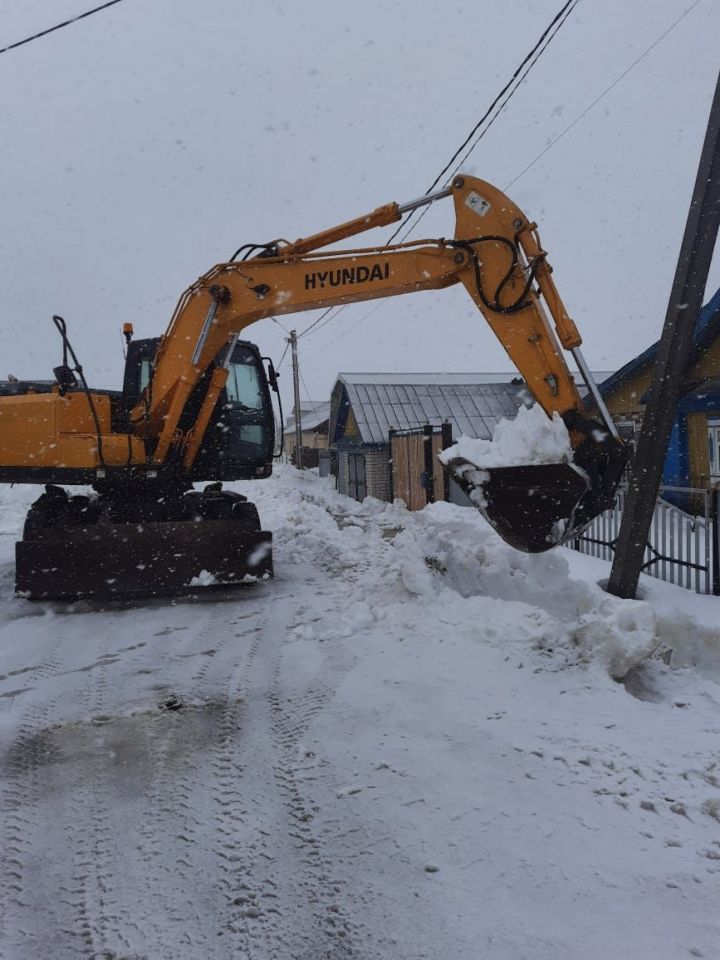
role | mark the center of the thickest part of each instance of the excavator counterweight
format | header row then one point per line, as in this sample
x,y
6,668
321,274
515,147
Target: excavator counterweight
x,y
195,406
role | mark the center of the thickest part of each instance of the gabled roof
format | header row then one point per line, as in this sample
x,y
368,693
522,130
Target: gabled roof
x,y
707,330
381,402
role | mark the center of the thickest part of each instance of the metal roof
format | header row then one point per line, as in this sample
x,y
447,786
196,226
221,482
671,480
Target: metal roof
x,y
505,376
381,402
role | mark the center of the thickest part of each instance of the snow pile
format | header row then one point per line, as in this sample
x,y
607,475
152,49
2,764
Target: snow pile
x,y
531,438
450,556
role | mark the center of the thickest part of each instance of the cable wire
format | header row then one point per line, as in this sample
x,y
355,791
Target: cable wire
x,y
510,88
604,93
281,325
287,347
322,316
518,79
59,26
548,147
307,392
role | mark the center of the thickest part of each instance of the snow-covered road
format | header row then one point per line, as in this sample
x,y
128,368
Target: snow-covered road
x,y
407,745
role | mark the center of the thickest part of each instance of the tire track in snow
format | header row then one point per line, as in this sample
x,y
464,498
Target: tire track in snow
x,y
291,718
230,832
153,761
101,918
278,898
281,897
172,818
169,824
21,767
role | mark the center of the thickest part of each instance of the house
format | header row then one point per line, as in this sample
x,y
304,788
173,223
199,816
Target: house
x,y
366,407
314,418
693,457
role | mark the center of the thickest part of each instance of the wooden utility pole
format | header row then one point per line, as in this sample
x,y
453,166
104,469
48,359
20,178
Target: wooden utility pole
x,y
671,363
296,389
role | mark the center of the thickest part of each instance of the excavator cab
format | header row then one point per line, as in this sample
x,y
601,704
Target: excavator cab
x,y
240,438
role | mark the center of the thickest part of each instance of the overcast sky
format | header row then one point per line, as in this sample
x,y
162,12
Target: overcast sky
x,y
144,144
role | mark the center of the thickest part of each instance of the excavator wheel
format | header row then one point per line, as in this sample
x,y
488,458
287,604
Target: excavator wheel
x,y
112,547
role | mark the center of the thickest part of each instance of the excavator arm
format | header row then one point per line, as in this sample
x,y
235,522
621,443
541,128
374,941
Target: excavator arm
x,y
495,254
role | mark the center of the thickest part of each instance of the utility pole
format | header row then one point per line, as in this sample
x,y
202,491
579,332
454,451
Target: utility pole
x,y
296,389
671,364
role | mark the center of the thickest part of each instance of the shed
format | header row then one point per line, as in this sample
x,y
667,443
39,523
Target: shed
x,y
365,407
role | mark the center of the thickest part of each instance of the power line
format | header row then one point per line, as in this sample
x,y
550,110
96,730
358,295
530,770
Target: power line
x,y
512,86
531,58
59,26
344,333
281,325
319,319
287,347
546,149
412,226
307,392
604,93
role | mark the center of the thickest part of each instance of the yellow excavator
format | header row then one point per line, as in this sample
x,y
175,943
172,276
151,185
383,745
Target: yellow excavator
x,y
196,406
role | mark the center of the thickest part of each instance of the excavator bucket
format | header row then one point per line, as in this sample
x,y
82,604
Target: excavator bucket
x,y
534,507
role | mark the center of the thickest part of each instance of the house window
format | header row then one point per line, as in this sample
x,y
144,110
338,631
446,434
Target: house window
x,y
714,450
357,486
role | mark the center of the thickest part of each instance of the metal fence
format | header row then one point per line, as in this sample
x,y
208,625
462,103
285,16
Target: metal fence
x,y
682,548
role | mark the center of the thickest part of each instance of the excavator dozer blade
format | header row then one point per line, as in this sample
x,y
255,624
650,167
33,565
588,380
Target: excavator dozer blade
x,y
115,561
533,507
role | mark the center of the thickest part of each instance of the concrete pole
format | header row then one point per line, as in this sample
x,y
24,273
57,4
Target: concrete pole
x,y
671,364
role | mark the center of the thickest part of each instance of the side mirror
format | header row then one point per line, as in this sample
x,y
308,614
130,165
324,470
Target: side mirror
x,y
272,375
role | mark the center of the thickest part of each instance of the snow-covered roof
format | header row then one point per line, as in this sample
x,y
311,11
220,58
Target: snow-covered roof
x,y
427,378
381,402
312,414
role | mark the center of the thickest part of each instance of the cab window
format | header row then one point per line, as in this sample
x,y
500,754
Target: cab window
x,y
243,385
